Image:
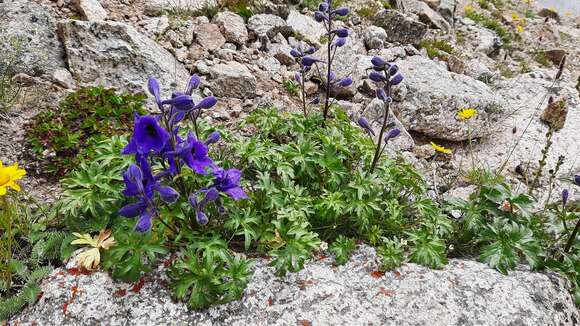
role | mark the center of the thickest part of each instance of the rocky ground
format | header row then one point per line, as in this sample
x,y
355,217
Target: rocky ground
x,y
119,43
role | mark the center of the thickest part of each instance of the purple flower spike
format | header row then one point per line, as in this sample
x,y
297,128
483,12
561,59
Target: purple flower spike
x,y
364,123
228,181
341,32
148,136
376,76
397,79
213,138
193,200
295,53
194,82
341,11
309,61
206,103
565,195
168,194
182,102
345,82
134,173
381,95
378,62
341,41
394,133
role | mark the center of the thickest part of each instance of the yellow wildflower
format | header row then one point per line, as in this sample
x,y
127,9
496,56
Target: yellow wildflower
x,y
468,8
515,16
520,29
91,258
466,114
8,176
441,149
568,13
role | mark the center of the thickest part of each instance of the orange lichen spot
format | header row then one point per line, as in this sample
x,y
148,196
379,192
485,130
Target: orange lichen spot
x,y
377,274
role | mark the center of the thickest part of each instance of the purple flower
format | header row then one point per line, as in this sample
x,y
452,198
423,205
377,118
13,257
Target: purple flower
x,y
345,82
144,222
397,79
309,61
341,32
341,41
341,11
298,77
378,62
213,138
153,87
181,102
320,17
133,210
394,133
193,153
565,195
147,136
295,53
381,94
194,82
323,6
201,218
377,76
206,103
315,101
168,194
364,123
577,180
228,181
393,70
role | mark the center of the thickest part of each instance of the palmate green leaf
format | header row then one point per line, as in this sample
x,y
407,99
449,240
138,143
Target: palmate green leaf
x,y
427,249
245,223
342,248
392,254
297,244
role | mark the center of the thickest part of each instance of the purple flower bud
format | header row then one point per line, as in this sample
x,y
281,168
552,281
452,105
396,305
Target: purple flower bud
x,y
201,218
320,17
565,195
310,50
381,95
168,194
295,53
393,70
221,210
342,32
397,79
332,76
376,76
206,103
182,102
345,82
341,41
194,82
133,210
323,6
378,62
364,123
193,200
213,138
315,101
144,222
394,133
343,11
577,180
134,173
298,77
309,61
153,87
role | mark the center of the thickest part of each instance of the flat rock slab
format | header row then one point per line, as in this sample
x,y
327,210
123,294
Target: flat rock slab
x,y
115,55
463,293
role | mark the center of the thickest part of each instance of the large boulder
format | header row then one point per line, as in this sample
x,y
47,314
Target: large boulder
x,y
426,14
268,25
232,79
462,293
29,30
90,9
400,28
430,97
116,55
306,26
232,27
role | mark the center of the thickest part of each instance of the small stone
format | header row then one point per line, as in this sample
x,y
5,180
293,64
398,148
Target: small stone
x,y
90,10
63,78
374,37
555,113
156,25
455,64
232,27
549,13
400,27
209,36
424,151
426,14
268,25
555,55
232,79
305,26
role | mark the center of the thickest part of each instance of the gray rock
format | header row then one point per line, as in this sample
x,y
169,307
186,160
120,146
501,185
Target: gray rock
x,y
63,78
374,37
305,26
209,36
268,25
156,7
30,29
375,113
400,27
282,53
115,55
270,64
462,293
156,26
232,27
426,14
431,96
232,79
90,9
446,8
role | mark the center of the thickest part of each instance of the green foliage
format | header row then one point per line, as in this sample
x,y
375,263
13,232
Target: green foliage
x,y
437,48
134,253
392,254
309,182
427,249
10,61
493,24
206,277
342,248
292,87
64,137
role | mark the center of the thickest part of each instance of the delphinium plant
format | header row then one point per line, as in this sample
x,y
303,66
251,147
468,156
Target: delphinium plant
x,y
336,37
386,76
177,193
301,54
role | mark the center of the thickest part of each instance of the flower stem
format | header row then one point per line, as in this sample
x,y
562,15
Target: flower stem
x,y
383,128
303,87
571,238
329,62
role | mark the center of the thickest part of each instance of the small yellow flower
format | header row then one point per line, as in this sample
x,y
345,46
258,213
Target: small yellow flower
x,y
91,258
466,114
468,8
8,176
515,16
568,13
441,149
520,28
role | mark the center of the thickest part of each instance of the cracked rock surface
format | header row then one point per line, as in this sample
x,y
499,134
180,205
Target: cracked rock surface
x,y
463,293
